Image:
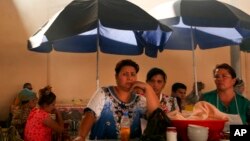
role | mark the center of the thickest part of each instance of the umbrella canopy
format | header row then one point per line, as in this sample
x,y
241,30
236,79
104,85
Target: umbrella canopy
x,y
245,45
207,23
111,26
116,26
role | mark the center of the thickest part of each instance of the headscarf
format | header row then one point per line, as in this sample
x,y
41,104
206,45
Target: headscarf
x,y
26,95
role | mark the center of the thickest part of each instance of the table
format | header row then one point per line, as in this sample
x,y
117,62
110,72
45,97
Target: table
x,y
72,115
71,111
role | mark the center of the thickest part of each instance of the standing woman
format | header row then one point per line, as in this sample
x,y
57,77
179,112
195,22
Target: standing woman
x,y
225,98
40,124
108,104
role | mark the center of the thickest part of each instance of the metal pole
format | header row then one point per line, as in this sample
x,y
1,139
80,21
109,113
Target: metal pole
x,y
194,62
235,54
97,59
235,59
48,68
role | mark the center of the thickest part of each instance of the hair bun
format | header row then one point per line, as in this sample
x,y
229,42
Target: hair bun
x,y
46,90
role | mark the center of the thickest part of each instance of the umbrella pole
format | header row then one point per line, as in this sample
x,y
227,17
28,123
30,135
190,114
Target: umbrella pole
x,y
48,69
97,69
194,63
97,64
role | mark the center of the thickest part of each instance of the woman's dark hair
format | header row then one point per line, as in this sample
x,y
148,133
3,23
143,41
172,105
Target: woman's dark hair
x,y
26,85
156,71
239,82
126,62
226,67
46,97
200,85
177,86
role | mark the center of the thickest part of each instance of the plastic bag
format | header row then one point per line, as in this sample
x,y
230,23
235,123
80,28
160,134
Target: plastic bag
x,y
156,126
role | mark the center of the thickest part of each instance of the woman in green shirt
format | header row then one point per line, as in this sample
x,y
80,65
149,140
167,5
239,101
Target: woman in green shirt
x,y
224,97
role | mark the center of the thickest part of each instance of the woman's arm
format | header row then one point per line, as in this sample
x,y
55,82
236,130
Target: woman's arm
x,y
56,125
92,111
86,125
152,100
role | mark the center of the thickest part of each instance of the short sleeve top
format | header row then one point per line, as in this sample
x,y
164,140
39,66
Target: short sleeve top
x,y
168,103
35,130
242,103
109,109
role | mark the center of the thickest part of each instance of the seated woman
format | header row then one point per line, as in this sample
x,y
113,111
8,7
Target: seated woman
x,y
40,124
108,104
157,78
239,86
225,98
25,93
21,112
193,98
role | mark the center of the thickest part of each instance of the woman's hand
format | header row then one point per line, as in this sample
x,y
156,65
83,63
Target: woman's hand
x,y
54,111
152,100
138,85
79,138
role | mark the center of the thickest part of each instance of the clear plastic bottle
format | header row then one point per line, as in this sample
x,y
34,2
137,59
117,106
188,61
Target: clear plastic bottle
x,y
125,127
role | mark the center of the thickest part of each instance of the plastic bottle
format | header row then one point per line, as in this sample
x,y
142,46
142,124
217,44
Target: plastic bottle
x,y
125,127
171,134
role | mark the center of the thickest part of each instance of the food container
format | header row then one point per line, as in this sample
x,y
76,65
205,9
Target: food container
x,y
215,128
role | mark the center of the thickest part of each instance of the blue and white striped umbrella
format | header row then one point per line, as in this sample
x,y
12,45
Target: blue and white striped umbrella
x,y
245,45
204,23
111,26
116,26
